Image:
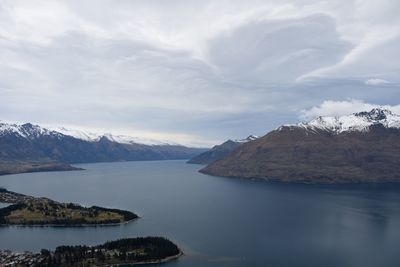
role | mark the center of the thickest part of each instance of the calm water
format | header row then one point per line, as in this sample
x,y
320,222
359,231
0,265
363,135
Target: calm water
x,y
220,221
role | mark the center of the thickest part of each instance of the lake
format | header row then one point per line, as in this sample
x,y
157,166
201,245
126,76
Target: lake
x,y
221,221
3,205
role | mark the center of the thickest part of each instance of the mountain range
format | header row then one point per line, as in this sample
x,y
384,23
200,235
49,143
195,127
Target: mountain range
x,y
220,151
28,147
362,147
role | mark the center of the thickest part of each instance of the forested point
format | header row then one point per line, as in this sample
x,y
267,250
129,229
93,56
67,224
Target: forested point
x,y
123,251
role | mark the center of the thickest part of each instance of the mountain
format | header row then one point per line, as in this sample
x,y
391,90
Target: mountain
x,y
220,151
360,122
123,139
358,148
28,144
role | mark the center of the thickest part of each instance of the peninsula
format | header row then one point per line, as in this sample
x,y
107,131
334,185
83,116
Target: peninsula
x,y
15,167
123,252
28,210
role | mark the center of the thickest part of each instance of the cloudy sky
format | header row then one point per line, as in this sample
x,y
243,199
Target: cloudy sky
x,y
196,72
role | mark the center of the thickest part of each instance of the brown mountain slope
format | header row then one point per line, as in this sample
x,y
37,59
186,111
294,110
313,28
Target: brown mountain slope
x,y
295,154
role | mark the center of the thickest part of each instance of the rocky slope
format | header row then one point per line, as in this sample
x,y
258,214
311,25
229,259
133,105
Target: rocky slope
x,y
362,147
219,151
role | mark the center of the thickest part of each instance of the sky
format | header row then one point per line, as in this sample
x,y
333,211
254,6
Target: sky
x,y
195,72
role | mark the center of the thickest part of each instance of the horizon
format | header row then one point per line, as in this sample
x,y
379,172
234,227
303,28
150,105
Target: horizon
x,y
307,116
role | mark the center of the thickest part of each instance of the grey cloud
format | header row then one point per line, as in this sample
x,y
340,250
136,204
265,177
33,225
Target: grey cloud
x,y
278,51
207,70
380,61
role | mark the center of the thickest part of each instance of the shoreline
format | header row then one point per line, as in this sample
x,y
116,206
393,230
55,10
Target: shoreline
x,y
75,166
165,260
300,183
147,262
40,169
69,225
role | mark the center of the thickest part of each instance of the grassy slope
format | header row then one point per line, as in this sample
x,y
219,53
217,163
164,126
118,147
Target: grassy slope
x,y
35,214
43,211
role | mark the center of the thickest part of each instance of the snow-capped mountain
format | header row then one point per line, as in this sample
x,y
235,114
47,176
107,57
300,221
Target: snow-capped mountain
x,y
362,147
361,121
79,134
27,130
122,139
33,143
30,131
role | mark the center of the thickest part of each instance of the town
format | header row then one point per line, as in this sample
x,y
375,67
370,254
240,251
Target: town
x,y
9,258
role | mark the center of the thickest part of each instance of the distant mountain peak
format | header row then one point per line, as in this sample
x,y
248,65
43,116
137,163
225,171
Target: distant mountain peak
x,y
220,151
247,139
252,137
26,130
361,121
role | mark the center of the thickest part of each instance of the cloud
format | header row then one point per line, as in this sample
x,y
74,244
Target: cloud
x,y
277,51
206,70
376,35
340,108
376,81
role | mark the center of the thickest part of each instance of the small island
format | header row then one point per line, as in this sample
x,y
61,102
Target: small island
x,y
123,252
28,210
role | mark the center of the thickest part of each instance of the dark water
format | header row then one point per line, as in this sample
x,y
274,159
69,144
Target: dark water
x,y
220,221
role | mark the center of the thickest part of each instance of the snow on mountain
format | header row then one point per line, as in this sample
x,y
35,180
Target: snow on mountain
x,y
249,138
360,121
123,139
30,131
79,134
6,128
27,130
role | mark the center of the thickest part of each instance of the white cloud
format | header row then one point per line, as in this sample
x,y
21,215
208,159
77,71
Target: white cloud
x,y
340,108
376,81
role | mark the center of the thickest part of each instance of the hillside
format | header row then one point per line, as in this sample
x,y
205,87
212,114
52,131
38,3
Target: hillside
x,y
220,151
359,148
